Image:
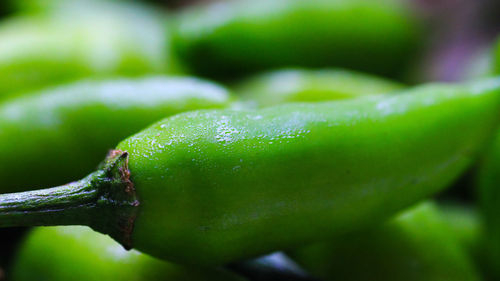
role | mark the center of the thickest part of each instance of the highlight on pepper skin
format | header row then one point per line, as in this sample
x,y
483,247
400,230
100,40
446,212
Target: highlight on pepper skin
x,y
249,140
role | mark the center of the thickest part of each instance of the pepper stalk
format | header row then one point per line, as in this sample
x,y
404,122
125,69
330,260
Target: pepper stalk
x,y
105,200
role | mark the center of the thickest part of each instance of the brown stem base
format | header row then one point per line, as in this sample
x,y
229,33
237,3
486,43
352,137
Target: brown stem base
x,y
104,200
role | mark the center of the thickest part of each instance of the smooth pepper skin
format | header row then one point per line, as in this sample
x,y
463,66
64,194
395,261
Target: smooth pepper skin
x,y
416,245
99,40
219,186
307,85
57,135
80,254
234,38
469,228
43,6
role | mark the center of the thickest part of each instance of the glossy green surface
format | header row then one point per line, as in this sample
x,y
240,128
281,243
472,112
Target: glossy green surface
x,y
80,254
219,186
60,134
232,38
414,246
79,41
36,6
302,85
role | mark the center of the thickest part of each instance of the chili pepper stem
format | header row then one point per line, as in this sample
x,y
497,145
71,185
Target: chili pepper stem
x,y
104,200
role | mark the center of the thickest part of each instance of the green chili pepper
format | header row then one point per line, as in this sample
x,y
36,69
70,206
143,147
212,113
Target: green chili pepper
x,y
60,134
488,178
233,38
416,245
210,187
36,6
468,227
301,85
465,223
80,41
80,254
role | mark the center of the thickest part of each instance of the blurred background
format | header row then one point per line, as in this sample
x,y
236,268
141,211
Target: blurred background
x,y
458,34
45,43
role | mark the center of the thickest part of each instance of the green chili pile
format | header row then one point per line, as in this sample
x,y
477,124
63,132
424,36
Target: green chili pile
x,y
242,141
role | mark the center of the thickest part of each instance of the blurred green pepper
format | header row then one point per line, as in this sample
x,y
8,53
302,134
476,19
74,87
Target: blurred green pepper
x,y
232,38
303,85
48,5
468,227
62,133
78,41
416,245
489,194
79,254
216,186
488,180
465,224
